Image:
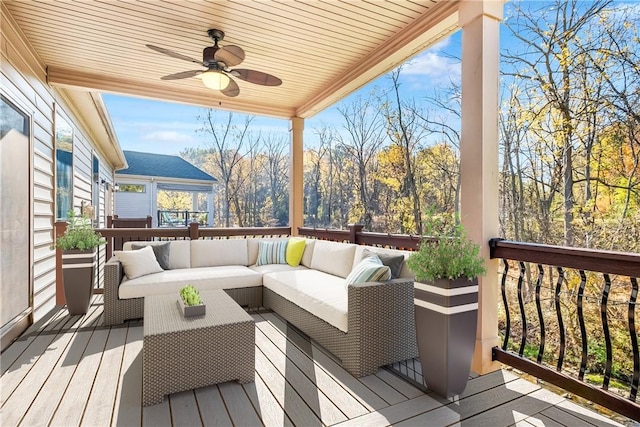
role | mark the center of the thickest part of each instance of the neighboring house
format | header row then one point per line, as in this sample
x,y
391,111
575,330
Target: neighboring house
x,y
147,174
58,152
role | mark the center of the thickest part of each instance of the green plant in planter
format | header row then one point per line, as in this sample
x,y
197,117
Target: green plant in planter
x,y
190,296
79,235
447,252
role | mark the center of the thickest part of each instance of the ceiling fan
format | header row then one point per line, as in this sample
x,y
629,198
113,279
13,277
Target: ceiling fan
x,y
218,59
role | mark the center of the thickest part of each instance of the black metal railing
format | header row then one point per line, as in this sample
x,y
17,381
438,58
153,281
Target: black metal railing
x,y
178,218
561,290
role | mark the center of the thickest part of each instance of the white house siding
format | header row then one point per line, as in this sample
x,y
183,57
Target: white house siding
x,y
22,81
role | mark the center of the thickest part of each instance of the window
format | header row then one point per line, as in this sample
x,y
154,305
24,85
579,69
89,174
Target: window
x,y
64,168
132,188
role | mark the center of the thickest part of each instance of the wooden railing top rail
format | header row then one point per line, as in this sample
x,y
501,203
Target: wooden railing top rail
x,y
624,263
355,235
116,236
245,231
325,233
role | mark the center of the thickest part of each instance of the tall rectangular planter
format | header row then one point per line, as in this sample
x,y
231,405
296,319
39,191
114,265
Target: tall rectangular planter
x,y
78,269
446,319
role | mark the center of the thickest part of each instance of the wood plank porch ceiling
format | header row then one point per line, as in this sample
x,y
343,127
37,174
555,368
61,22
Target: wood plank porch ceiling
x,y
322,50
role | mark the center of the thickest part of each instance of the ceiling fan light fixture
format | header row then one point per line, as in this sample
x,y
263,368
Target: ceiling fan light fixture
x,y
215,79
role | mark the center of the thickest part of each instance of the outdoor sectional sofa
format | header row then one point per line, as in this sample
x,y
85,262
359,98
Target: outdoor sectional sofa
x,y
365,325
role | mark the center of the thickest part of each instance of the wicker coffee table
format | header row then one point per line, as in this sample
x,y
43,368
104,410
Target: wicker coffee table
x,y
185,353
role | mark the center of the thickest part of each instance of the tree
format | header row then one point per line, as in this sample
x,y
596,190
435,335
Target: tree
x,y
548,62
365,134
228,143
406,131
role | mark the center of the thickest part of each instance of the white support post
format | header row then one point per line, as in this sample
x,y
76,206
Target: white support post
x,y
480,23
210,208
296,175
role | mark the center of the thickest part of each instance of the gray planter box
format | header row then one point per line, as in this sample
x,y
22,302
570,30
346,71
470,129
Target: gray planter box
x,y
191,310
446,319
78,269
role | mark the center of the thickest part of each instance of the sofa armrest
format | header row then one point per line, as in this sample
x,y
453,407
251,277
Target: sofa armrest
x,y
113,274
382,314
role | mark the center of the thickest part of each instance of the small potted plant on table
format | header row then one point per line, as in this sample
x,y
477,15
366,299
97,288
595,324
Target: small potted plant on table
x,y
190,302
79,245
447,265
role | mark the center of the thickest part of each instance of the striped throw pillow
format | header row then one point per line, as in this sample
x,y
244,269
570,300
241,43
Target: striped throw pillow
x,y
272,252
370,269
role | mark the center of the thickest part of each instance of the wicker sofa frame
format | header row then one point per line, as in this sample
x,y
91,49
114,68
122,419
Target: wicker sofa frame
x,y
381,325
118,310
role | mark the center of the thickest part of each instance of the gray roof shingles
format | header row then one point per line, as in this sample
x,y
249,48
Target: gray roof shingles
x,y
162,165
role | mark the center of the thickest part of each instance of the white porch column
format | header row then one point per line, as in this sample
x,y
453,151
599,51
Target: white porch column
x,y
153,201
194,201
210,208
296,175
480,23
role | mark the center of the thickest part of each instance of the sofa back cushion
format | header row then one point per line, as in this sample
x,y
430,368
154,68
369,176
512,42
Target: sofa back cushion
x,y
333,257
308,253
179,252
212,253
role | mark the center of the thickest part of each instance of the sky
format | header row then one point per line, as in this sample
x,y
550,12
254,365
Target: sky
x,y
168,128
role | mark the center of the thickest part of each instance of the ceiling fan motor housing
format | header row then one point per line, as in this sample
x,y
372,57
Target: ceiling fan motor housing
x,y
208,56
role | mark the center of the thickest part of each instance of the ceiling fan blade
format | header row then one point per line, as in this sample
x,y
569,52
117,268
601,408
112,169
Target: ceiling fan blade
x,y
230,55
256,77
181,75
173,54
232,89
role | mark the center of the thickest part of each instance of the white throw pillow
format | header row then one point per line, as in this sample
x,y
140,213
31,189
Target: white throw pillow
x,y
139,262
370,269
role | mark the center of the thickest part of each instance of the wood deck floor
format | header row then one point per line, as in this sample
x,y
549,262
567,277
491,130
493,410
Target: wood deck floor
x,y
70,370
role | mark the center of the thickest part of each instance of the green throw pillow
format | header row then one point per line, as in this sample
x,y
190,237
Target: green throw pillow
x,y
295,250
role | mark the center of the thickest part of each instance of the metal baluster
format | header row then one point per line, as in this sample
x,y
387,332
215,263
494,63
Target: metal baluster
x,y
634,340
539,307
560,322
583,329
522,313
605,328
506,305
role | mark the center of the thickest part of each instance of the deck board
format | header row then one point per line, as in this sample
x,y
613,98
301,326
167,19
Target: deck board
x,y
211,406
72,370
102,399
184,409
356,388
128,408
344,401
240,409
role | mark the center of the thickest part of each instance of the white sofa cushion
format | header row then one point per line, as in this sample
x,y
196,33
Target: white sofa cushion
x,y
219,252
321,294
179,253
138,263
274,268
308,253
333,257
170,281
